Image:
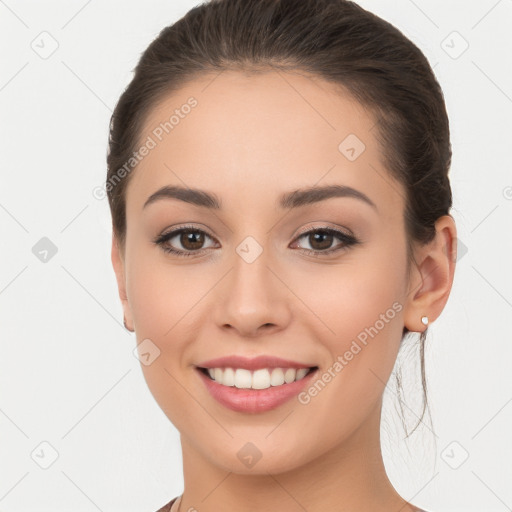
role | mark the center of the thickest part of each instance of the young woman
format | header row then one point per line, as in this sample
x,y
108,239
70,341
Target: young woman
x,y
278,182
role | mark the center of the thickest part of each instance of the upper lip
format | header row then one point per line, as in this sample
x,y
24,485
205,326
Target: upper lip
x,y
254,363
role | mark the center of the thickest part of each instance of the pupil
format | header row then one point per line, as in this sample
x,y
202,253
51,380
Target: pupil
x,y
192,239
325,243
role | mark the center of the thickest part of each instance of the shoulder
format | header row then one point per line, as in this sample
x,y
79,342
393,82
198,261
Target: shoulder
x,y
167,508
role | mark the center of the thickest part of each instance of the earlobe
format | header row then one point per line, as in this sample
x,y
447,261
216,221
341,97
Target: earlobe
x,y
119,269
433,276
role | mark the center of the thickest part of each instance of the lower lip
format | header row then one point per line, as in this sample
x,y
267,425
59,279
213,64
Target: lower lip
x,y
255,400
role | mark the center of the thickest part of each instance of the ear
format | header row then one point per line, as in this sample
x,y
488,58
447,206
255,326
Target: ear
x,y
119,268
432,278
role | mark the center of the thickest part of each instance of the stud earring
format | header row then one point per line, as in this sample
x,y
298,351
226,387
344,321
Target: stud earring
x,y
424,320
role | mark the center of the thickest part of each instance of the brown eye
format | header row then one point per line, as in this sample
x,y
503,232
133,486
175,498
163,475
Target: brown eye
x,y
192,240
321,240
184,242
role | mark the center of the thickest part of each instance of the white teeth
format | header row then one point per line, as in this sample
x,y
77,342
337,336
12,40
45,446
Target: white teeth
x,y
259,379
301,373
277,377
289,375
242,378
228,377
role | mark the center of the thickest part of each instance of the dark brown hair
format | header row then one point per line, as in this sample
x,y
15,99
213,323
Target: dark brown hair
x,y
336,40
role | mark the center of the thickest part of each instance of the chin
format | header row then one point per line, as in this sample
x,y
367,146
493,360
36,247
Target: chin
x,y
255,457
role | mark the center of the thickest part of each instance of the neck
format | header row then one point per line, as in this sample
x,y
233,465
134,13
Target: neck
x,y
350,476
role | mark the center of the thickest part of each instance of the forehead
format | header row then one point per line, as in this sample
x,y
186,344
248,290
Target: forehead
x,y
233,131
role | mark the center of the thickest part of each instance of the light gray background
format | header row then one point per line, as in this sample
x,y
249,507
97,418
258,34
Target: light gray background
x,y
68,375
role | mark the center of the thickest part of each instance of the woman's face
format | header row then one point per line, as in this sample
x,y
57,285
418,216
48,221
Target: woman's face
x,y
252,283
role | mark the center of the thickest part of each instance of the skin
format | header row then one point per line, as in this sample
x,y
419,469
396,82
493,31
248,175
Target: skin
x,y
250,139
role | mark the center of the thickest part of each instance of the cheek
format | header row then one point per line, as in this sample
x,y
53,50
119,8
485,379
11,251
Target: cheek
x,y
161,294
362,354
358,318
157,302
347,299
165,303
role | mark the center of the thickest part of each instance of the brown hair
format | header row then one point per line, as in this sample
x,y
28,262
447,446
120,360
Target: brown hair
x,y
336,40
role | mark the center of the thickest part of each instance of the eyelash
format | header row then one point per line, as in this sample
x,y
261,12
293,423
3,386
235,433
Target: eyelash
x,y
348,240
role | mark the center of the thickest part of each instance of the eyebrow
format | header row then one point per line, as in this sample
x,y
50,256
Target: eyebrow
x,y
294,199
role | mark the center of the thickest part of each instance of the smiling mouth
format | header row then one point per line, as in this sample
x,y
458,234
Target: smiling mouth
x,y
263,378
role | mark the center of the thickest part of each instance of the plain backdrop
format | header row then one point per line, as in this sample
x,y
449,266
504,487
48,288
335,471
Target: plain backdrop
x,y
79,430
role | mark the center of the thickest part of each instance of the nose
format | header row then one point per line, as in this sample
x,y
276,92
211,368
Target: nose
x,y
252,300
